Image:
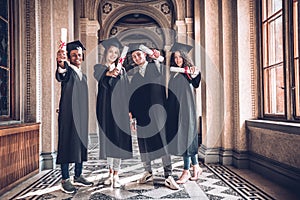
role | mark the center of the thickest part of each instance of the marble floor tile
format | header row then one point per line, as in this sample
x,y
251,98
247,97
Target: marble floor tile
x,y
216,182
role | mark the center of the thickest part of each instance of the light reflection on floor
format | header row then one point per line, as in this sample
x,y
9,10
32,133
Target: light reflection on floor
x,y
216,182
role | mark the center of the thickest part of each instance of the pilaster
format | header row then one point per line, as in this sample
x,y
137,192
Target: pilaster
x,y
213,111
181,31
89,37
229,64
245,75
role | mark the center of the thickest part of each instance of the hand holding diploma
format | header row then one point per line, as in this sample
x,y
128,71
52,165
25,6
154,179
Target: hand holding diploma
x,y
61,57
62,51
113,73
153,54
193,71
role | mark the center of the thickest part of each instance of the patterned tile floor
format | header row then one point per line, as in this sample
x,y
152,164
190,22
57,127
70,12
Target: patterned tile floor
x,y
216,182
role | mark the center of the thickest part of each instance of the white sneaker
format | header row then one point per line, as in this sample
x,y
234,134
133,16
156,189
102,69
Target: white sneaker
x,y
109,180
146,178
116,182
171,183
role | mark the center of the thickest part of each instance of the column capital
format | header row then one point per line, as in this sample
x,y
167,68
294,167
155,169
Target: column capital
x,y
180,22
189,26
181,30
189,20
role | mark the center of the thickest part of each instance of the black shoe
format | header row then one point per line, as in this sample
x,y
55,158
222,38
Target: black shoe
x,y
82,181
67,186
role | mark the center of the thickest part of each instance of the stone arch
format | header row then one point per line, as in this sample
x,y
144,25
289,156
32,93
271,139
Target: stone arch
x,y
115,16
122,11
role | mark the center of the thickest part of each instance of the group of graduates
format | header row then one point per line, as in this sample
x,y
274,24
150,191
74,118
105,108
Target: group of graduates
x,y
165,122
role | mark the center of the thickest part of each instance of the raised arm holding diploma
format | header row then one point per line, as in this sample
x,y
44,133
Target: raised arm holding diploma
x,y
150,52
121,59
62,49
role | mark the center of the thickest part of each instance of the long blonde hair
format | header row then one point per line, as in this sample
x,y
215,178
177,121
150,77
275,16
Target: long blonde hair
x,y
105,54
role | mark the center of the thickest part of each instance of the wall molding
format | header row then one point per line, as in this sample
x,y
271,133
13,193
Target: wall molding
x,y
278,172
48,160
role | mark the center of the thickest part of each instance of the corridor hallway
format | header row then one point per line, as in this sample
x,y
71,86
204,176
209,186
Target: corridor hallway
x,y
216,182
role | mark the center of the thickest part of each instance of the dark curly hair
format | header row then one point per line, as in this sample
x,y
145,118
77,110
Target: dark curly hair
x,y
186,60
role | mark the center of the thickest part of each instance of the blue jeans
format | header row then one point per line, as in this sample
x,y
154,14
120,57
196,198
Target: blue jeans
x,y
187,161
65,170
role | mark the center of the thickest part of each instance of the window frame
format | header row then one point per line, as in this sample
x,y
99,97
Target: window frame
x,y
288,61
11,62
297,59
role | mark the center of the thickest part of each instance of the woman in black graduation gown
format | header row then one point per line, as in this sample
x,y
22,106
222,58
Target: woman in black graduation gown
x,y
182,134
112,111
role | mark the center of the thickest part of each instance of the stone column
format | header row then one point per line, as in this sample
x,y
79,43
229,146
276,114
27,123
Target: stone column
x,y
229,66
168,59
246,97
212,99
190,22
77,14
52,16
89,38
190,35
199,58
181,31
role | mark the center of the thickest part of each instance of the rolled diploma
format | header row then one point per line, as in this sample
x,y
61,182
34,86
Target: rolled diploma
x,y
146,50
179,69
63,38
122,57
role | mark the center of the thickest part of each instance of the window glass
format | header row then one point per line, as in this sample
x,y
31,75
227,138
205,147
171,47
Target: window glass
x,y
274,90
4,60
273,68
274,6
275,41
4,10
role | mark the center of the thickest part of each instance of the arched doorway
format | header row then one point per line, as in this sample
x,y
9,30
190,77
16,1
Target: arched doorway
x,y
137,23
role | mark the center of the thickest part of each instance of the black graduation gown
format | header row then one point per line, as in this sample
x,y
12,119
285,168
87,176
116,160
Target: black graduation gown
x,y
72,118
113,114
182,134
147,106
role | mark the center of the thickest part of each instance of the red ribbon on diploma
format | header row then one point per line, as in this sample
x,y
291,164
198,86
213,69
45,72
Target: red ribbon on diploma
x,y
121,60
186,68
62,44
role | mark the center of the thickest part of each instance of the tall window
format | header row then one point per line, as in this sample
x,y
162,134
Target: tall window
x,y
281,92
296,84
5,72
7,68
273,72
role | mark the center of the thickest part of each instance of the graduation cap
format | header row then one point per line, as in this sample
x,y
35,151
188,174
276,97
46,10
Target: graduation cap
x,y
75,45
181,47
134,47
111,42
